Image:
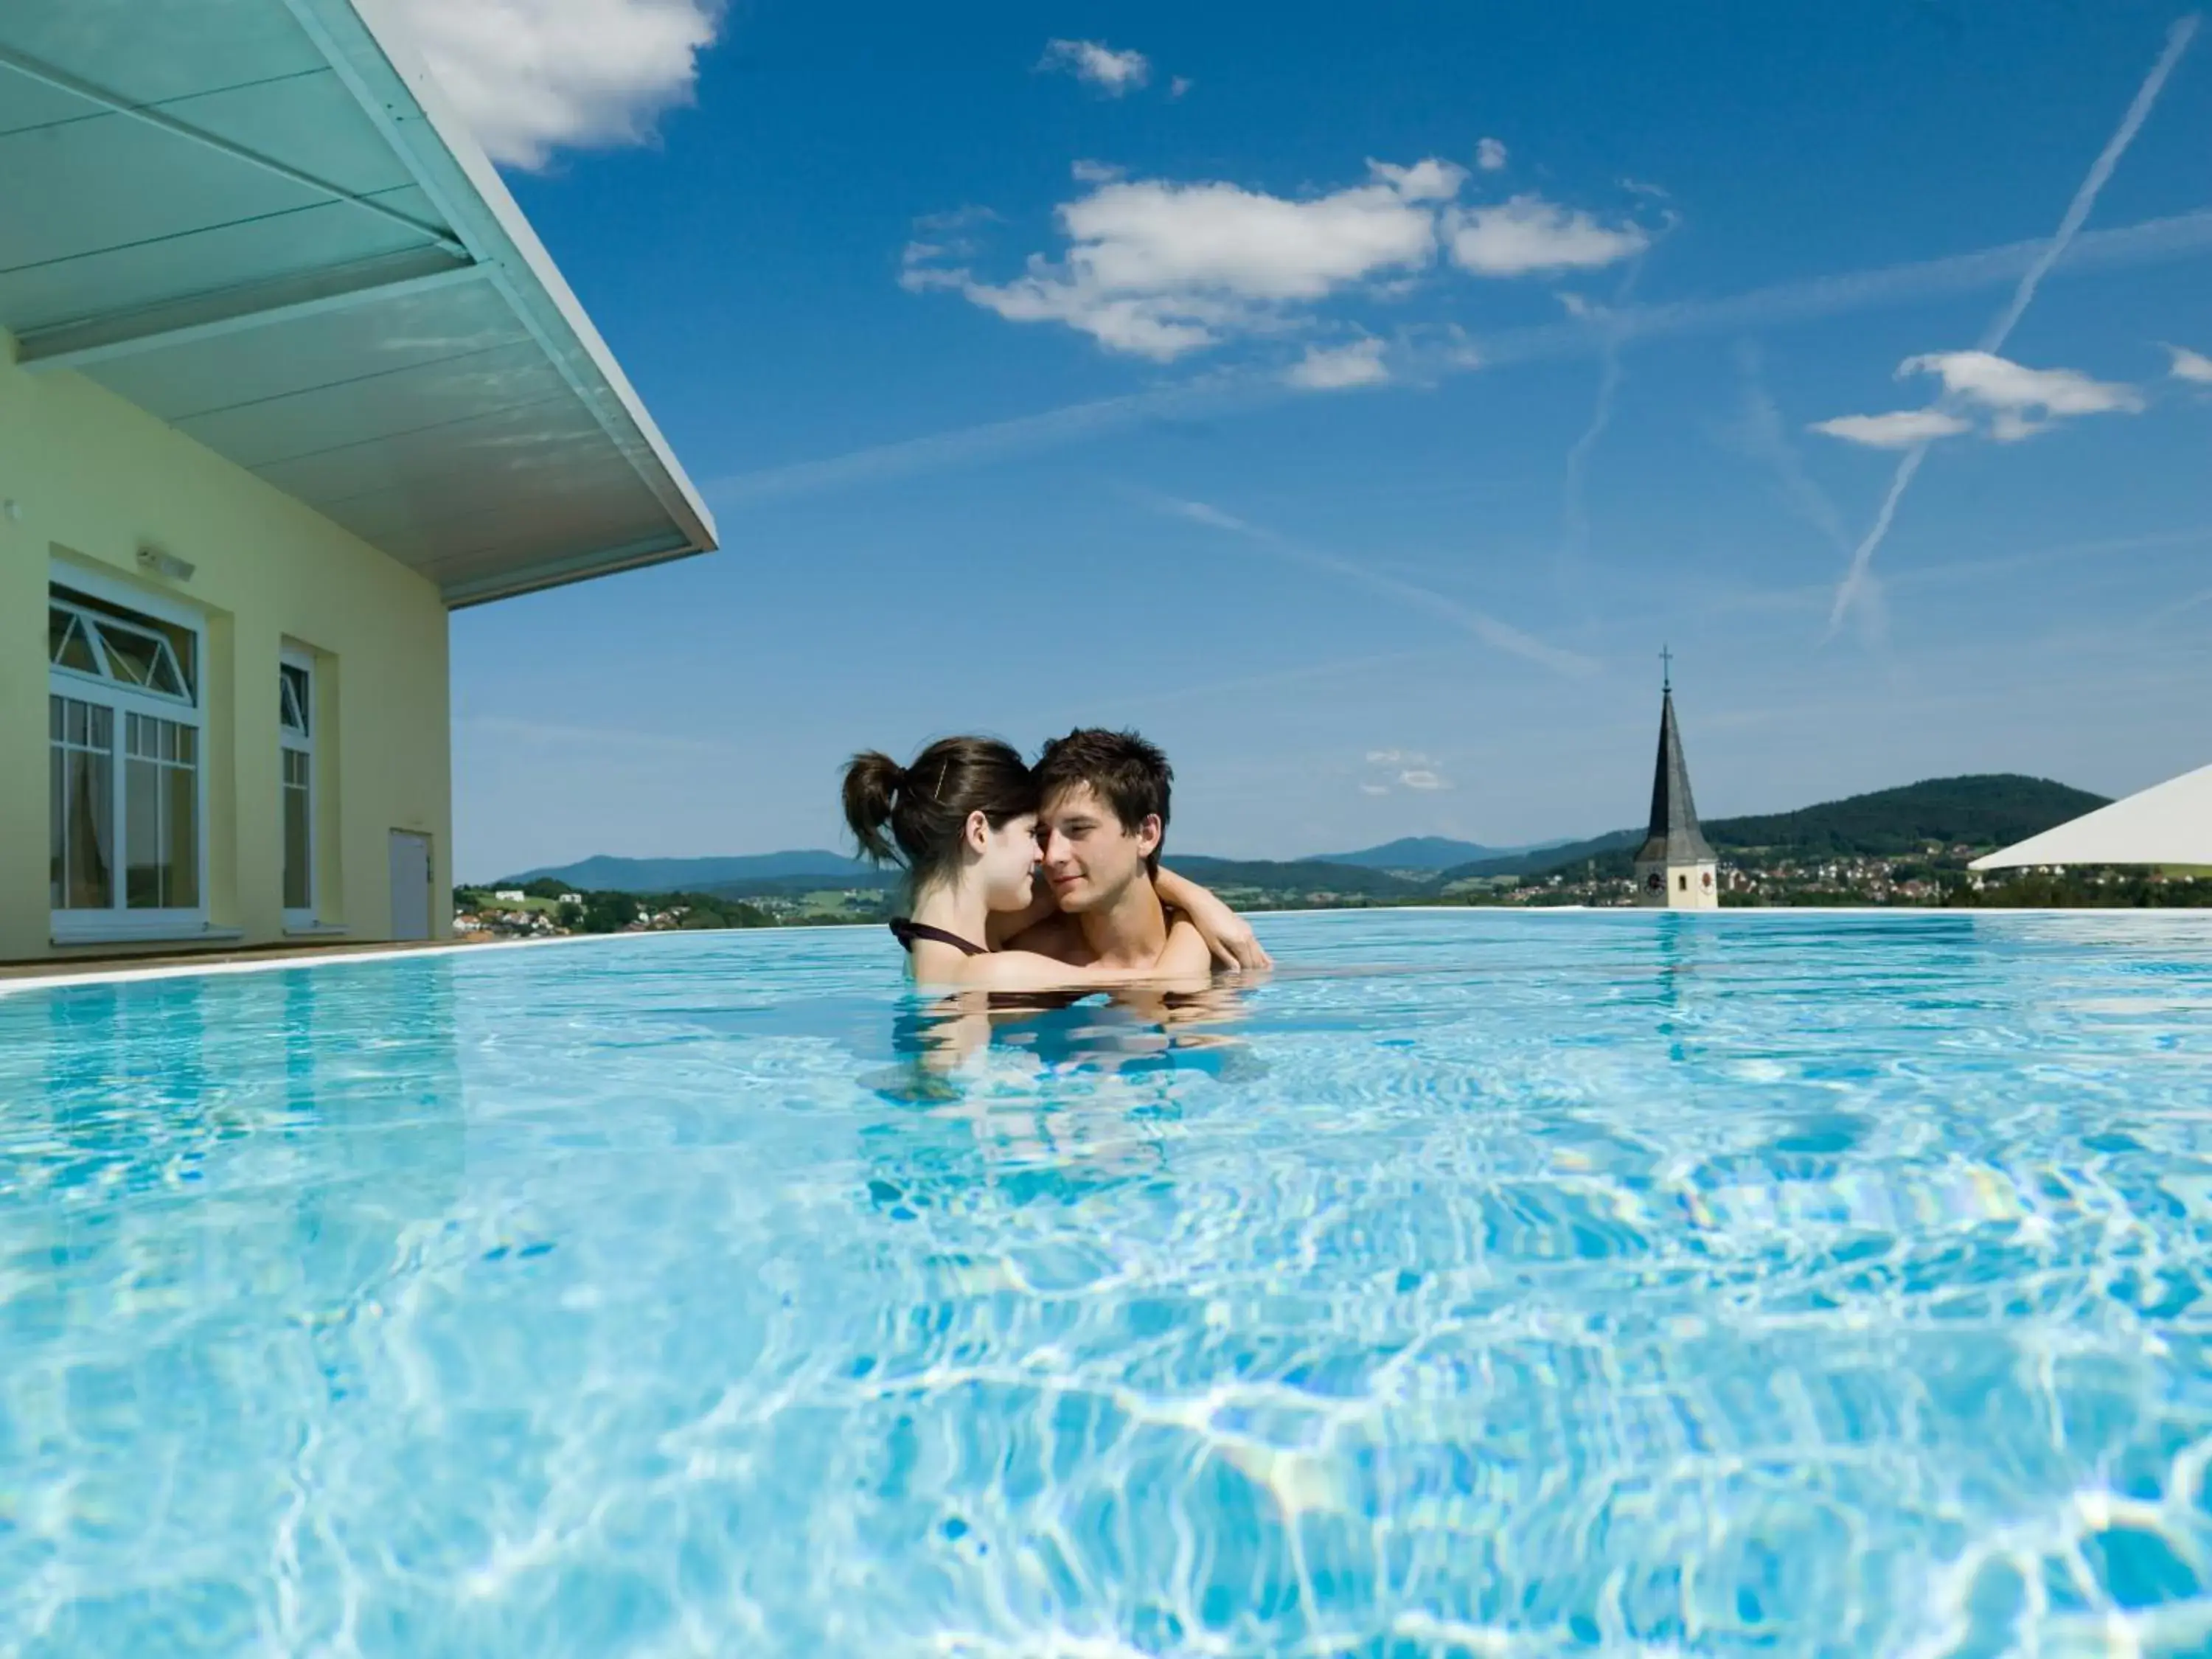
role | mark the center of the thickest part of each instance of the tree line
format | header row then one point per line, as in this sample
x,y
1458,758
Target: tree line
x,y
606,911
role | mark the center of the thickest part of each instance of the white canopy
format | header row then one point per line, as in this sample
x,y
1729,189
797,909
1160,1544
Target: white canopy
x,y
254,219
2168,824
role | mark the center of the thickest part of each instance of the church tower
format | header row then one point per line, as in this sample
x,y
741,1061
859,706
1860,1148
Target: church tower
x,y
1676,868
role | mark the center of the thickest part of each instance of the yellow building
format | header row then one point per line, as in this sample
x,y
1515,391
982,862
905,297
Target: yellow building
x,y
284,379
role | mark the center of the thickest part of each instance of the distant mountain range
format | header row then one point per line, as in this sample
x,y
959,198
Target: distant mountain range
x,y
604,873
1981,811
1419,853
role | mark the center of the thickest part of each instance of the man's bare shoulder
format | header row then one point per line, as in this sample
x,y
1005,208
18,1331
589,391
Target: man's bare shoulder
x,y
1057,937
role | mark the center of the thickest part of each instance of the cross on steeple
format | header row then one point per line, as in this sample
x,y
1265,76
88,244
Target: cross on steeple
x,y
1666,668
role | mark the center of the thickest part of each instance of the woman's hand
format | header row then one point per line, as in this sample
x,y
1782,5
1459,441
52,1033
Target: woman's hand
x,y
1228,936
1233,942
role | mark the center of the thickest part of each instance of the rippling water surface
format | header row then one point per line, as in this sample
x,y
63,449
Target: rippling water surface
x,y
1483,1284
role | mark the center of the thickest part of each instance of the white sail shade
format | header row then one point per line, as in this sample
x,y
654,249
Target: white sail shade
x,y
2169,824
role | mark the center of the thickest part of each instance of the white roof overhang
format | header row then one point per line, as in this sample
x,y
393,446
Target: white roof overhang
x,y
2170,823
255,219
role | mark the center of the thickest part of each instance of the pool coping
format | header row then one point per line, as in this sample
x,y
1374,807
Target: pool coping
x,y
47,976
53,976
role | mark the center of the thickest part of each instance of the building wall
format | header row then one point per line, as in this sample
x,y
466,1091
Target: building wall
x,y
86,479
1686,886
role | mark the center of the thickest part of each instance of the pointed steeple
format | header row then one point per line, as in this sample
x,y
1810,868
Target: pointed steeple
x,y
1673,837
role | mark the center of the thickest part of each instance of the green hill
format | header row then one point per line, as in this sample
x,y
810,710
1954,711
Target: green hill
x,y
1305,877
1983,811
861,877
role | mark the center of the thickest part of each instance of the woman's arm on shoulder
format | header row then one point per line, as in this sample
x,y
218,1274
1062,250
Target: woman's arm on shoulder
x,y
1003,924
1228,936
1186,956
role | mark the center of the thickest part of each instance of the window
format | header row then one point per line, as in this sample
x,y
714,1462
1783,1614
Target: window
x,y
82,811
295,727
160,794
124,726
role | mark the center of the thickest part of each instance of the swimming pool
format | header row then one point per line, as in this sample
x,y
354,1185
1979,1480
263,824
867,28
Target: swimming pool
x,y
1485,1283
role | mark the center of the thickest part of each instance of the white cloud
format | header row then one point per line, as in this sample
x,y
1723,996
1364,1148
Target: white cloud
x,y
1402,769
1429,180
1490,156
1334,368
1159,268
531,76
917,275
2191,366
1098,64
940,237
1179,85
1900,429
2009,426
1996,383
2020,401
1529,234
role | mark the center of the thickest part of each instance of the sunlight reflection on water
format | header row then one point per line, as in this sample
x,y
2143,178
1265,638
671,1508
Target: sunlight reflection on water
x,y
1479,1284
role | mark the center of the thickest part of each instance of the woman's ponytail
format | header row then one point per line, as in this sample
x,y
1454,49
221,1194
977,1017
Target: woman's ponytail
x,y
915,815
872,787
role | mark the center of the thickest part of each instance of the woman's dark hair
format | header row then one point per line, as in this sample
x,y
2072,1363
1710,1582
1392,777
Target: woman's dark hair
x,y
925,807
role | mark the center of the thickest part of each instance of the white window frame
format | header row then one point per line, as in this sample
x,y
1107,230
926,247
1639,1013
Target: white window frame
x,y
119,921
301,919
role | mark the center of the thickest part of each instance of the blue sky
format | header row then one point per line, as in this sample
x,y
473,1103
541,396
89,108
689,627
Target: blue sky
x,y
1355,402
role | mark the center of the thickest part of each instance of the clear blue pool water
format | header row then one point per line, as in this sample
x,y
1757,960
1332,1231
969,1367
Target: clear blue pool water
x,y
1483,1284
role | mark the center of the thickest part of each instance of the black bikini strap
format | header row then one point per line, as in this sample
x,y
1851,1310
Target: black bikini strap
x,y
906,933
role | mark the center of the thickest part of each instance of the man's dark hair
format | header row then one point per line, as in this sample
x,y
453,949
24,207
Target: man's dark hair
x,y
1129,774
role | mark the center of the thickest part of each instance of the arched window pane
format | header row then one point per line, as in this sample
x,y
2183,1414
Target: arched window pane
x,y
295,703
66,647
132,656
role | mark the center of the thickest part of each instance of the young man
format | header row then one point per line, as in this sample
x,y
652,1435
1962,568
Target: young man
x,y
1104,815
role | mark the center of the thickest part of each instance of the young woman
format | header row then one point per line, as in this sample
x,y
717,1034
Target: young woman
x,y
961,821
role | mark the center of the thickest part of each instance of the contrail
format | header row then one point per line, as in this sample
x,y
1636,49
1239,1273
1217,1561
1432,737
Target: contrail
x,y
2176,42
974,445
1499,636
1764,439
1574,516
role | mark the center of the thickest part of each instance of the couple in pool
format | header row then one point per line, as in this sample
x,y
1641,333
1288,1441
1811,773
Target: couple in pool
x,y
973,825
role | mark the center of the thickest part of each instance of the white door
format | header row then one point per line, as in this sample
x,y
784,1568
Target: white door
x,y
410,885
